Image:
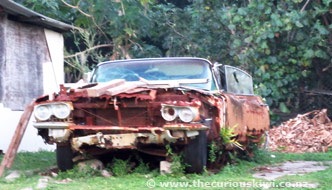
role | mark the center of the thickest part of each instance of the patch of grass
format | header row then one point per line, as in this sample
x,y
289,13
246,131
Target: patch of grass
x,y
33,160
263,157
317,156
77,173
20,183
241,171
266,157
322,178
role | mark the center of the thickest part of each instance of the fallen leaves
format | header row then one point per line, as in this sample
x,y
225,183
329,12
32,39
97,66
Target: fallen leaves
x,y
309,132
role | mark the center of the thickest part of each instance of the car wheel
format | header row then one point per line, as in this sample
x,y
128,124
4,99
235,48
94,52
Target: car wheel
x,y
64,156
195,154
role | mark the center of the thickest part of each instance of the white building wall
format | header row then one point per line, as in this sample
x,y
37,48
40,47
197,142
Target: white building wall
x,y
53,75
30,142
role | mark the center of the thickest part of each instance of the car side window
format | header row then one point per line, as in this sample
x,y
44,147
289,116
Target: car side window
x,y
238,81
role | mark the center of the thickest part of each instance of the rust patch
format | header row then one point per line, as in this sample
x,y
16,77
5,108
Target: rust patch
x,y
248,114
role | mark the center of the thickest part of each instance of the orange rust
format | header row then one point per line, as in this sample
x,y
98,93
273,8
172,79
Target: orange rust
x,y
185,126
248,113
193,103
119,115
159,138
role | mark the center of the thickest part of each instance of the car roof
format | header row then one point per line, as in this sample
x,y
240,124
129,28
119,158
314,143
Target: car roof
x,y
156,59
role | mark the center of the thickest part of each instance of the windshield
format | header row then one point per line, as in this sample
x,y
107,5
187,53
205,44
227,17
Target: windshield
x,y
156,69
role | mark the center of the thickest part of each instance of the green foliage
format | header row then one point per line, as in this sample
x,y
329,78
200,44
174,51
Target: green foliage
x,y
178,166
262,157
284,44
281,43
227,134
32,160
142,168
213,151
78,172
242,171
120,167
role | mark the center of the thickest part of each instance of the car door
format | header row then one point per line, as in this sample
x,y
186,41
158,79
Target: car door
x,y
244,109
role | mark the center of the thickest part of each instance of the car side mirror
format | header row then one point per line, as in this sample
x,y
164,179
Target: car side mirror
x,y
87,76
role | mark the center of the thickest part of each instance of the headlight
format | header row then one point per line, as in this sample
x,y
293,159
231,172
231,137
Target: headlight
x,y
43,112
187,114
61,111
169,113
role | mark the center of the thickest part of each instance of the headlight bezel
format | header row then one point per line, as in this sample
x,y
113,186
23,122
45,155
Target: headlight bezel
x,y
56,113
182,112
39,117
178,113
165,113
52,110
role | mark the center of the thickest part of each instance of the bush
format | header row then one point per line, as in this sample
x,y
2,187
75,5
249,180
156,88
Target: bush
x,y
120,167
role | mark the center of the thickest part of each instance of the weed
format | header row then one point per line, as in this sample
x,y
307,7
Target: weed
x,y
178,166
261,157
213,152
142,168
169,149
120,167
227,134
78,172
205,171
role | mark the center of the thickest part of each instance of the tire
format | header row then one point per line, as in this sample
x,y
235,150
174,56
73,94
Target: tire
x,y
64,156
195,154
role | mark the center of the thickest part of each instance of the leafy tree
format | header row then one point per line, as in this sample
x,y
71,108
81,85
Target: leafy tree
x,y
285,44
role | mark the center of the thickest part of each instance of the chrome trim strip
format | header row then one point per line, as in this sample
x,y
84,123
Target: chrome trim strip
x,y
50,125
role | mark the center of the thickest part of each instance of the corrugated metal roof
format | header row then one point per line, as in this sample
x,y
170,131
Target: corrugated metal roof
x,y
23,14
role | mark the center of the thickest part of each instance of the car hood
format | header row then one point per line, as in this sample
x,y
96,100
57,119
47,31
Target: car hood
x,y
120,86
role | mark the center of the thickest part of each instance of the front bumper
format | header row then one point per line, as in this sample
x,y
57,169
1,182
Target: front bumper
x,y
123,141
119,137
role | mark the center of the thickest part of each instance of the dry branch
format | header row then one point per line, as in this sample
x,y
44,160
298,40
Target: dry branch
x,y
87,50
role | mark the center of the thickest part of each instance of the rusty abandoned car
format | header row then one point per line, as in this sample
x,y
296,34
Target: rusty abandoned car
x,y
146,104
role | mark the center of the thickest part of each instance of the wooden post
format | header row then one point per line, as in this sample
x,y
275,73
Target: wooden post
x,y
16,140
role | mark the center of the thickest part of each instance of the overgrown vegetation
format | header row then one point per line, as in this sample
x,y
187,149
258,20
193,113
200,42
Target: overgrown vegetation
x,y
213,152
142,168
285,44
178,166
120,167
241,171
79,173
228,135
